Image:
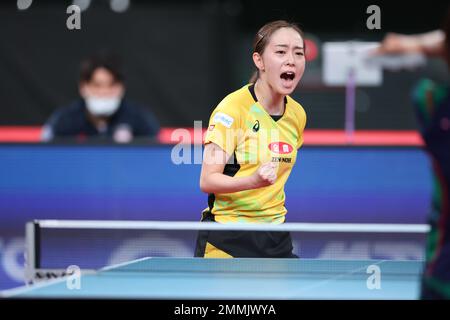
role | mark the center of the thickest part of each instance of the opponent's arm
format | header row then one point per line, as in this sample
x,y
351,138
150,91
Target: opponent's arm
x,y
430,43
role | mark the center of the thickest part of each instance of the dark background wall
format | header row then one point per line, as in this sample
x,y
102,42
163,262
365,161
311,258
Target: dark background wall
x,y
183,57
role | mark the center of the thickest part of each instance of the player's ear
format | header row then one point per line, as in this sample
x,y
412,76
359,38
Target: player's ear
x,y
258,61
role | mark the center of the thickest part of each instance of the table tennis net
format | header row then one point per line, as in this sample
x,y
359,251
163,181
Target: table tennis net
x,y
53,246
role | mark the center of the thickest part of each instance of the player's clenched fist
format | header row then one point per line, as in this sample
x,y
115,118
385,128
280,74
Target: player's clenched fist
x,y
265,175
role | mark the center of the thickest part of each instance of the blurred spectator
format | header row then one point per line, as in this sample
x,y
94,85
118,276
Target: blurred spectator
x,y
433,110
102,111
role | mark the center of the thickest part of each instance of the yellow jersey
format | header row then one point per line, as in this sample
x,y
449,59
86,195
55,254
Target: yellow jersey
x,y
243,129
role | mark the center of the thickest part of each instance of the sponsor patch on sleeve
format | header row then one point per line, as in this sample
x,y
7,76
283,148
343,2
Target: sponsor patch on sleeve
x,y
224,119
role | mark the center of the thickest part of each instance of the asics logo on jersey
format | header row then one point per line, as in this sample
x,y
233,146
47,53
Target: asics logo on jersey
x,y
256,126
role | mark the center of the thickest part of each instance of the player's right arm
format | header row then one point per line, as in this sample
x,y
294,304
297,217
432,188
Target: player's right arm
x,y
212,179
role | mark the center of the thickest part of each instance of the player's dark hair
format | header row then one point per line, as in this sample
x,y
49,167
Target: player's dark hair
x,y
106,60
262,38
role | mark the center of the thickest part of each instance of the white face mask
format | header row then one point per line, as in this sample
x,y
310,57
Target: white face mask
x,y
102,106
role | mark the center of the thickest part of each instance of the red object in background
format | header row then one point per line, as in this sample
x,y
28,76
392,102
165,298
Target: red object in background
x,y
363,138
311,137
20,134
312,51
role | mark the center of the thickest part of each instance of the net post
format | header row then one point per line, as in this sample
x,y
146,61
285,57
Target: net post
x,y
33,250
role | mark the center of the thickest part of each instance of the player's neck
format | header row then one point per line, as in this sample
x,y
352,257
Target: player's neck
x,y
272,101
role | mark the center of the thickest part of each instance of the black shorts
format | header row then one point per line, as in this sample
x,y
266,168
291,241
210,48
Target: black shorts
x,y
242,244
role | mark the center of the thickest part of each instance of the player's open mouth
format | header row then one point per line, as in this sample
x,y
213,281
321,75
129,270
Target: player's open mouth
x,y
288,76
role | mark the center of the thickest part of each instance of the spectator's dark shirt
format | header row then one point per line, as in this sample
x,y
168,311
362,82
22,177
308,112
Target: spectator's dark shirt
x,y
73,121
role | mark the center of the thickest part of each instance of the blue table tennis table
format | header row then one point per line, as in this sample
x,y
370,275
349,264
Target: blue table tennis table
x,y
240,278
